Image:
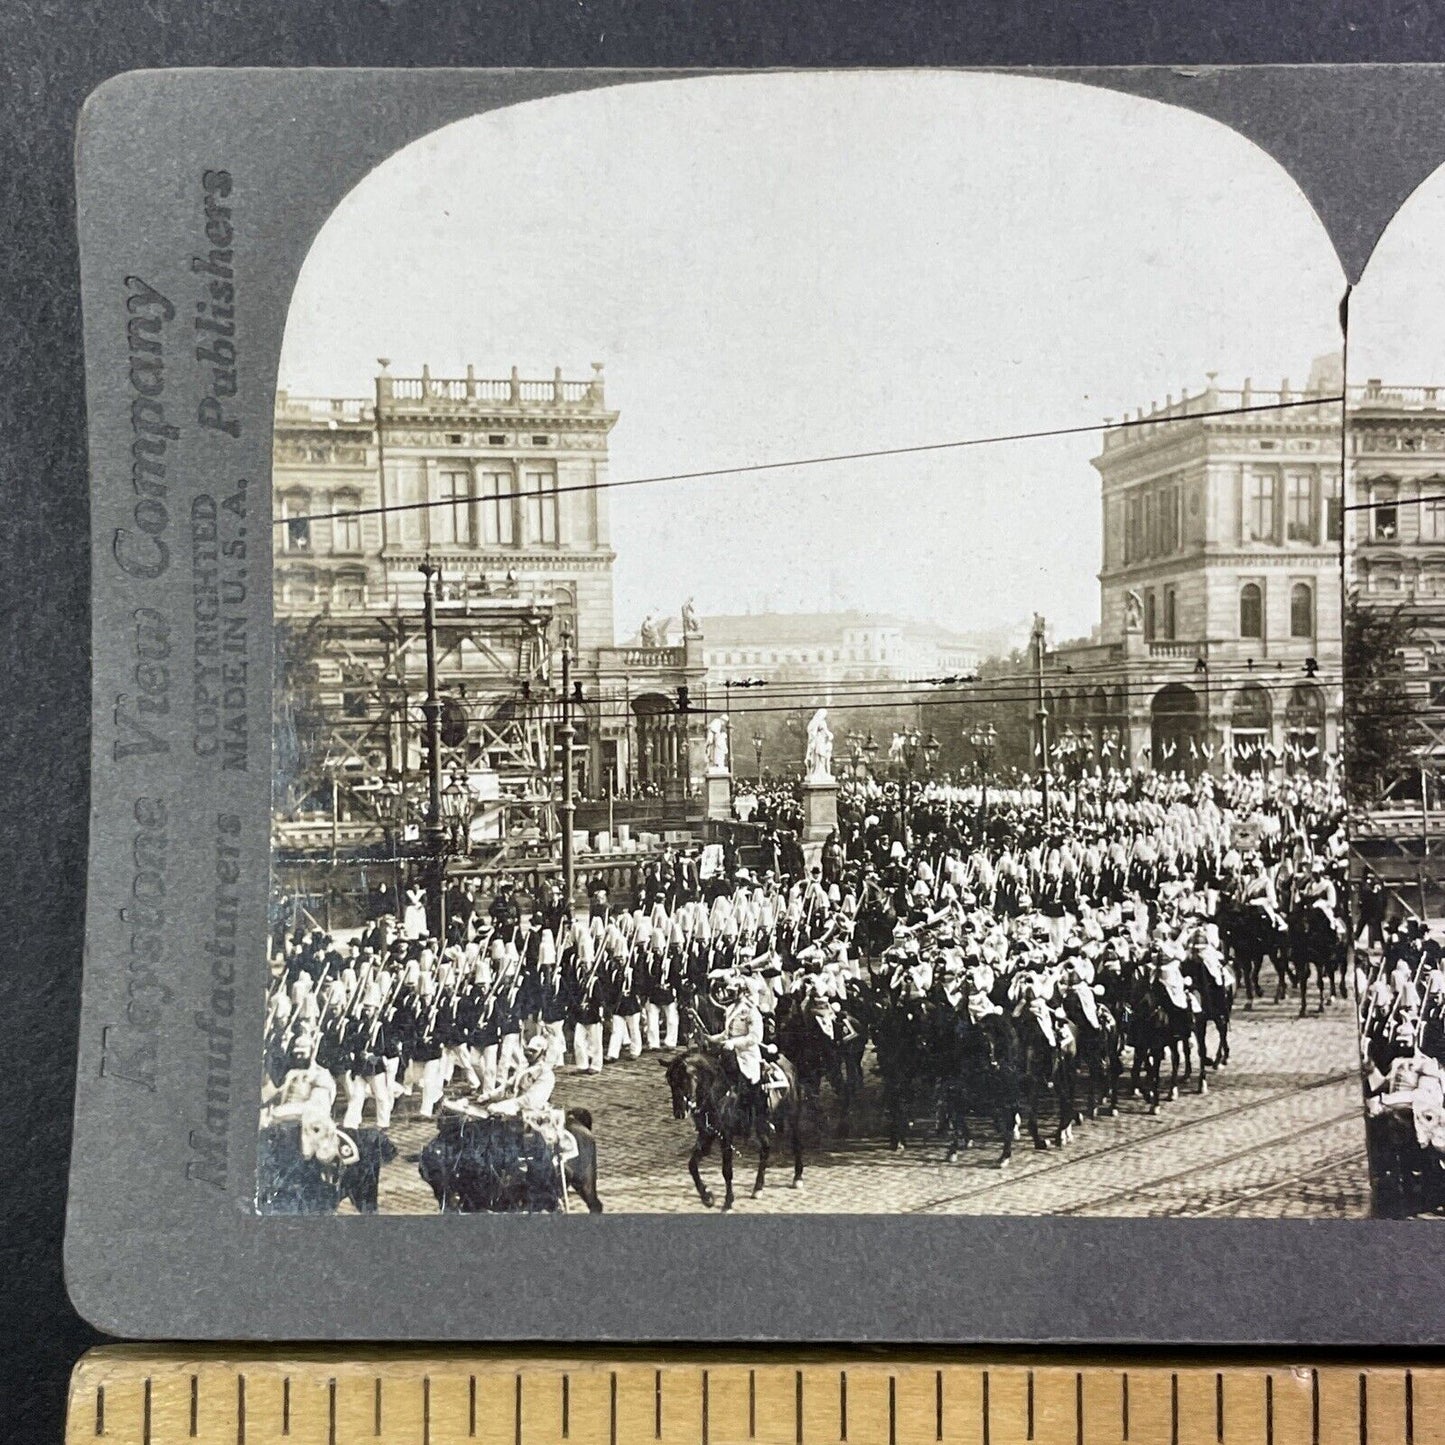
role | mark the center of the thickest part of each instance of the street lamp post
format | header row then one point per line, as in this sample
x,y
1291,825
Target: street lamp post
x,y
983,739
433,832
870,756
758,756
569,805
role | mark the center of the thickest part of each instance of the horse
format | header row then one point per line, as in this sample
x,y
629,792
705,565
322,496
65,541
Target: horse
x,y
499,1165
984,1078
1096,1034
816,1057
702,1091
1248,934
1313,940
1158,1026
1049,1053
898,1028
1216,998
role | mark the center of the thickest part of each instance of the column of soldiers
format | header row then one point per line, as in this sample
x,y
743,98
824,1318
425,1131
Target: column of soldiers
x,y
1137,875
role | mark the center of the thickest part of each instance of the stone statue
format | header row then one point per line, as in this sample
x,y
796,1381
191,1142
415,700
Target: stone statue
x,y
647,633
717,745
895,749
690,626
1133,611
818,761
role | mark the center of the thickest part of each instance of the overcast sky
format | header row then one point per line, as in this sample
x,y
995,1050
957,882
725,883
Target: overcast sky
x,y
779,266
1397,312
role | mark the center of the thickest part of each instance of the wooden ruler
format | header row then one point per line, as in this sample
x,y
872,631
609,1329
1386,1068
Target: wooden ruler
x,y
143,1395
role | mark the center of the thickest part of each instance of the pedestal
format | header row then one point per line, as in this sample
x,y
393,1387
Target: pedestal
x,y
718,796
820,810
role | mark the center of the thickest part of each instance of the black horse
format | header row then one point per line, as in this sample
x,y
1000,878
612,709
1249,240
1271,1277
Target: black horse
x,y
1048,1057
902,1046
1249,934
1160,1026
499,1165
816,1057
1100,1050
983,1076
702,1091
1216,998
1314,944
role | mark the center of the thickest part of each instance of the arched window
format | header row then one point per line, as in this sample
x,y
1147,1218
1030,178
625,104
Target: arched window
x,y
1301,610
1251,610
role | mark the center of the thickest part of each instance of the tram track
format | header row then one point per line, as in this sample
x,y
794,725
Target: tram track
x,y
1001,1182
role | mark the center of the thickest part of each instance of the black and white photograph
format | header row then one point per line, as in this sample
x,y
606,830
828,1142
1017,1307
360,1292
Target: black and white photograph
x,y
811,618
1395,692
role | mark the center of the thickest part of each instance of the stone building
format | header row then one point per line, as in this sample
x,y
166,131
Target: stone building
x,y
1219,641
498,484
1396,449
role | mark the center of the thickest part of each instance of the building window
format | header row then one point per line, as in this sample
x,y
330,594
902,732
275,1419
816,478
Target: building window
x,y
452,518
406,524
1385,515
539,496
1260,519
1171,614
1169,513
1251,610
345,524
1334,511
1133,528
1301,610
1432,513
351,589
1300,507
295,510
1150,618
1436,669
495,505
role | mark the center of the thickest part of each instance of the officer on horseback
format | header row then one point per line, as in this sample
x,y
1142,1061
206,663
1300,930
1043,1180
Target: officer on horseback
x,y
740,1044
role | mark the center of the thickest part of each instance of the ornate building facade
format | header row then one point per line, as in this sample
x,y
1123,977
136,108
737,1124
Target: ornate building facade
x,y
500,486
1219,644
1396,448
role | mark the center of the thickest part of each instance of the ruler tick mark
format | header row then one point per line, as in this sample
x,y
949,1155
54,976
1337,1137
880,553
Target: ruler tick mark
x,y
517,1411
704,1407
331,1411
145,1429
376,1408
1124,1404
240,1410
566,1407
100,1410
1031,1406
1219,1408
985,1409
798,1406
1269,1410
1409,1407
285,1406
892,1411
1078,1408
752,1404
471,1407
842,1404
1314,1407
1173,1410
426,1410
938,1404
195,1405
1364,1409
656,1406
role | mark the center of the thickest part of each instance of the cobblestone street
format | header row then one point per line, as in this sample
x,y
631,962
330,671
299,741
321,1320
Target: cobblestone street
x,y
1278,1135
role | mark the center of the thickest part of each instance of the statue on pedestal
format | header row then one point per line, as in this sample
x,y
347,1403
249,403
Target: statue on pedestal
x,y
647,633
818,761
717,745
690,626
